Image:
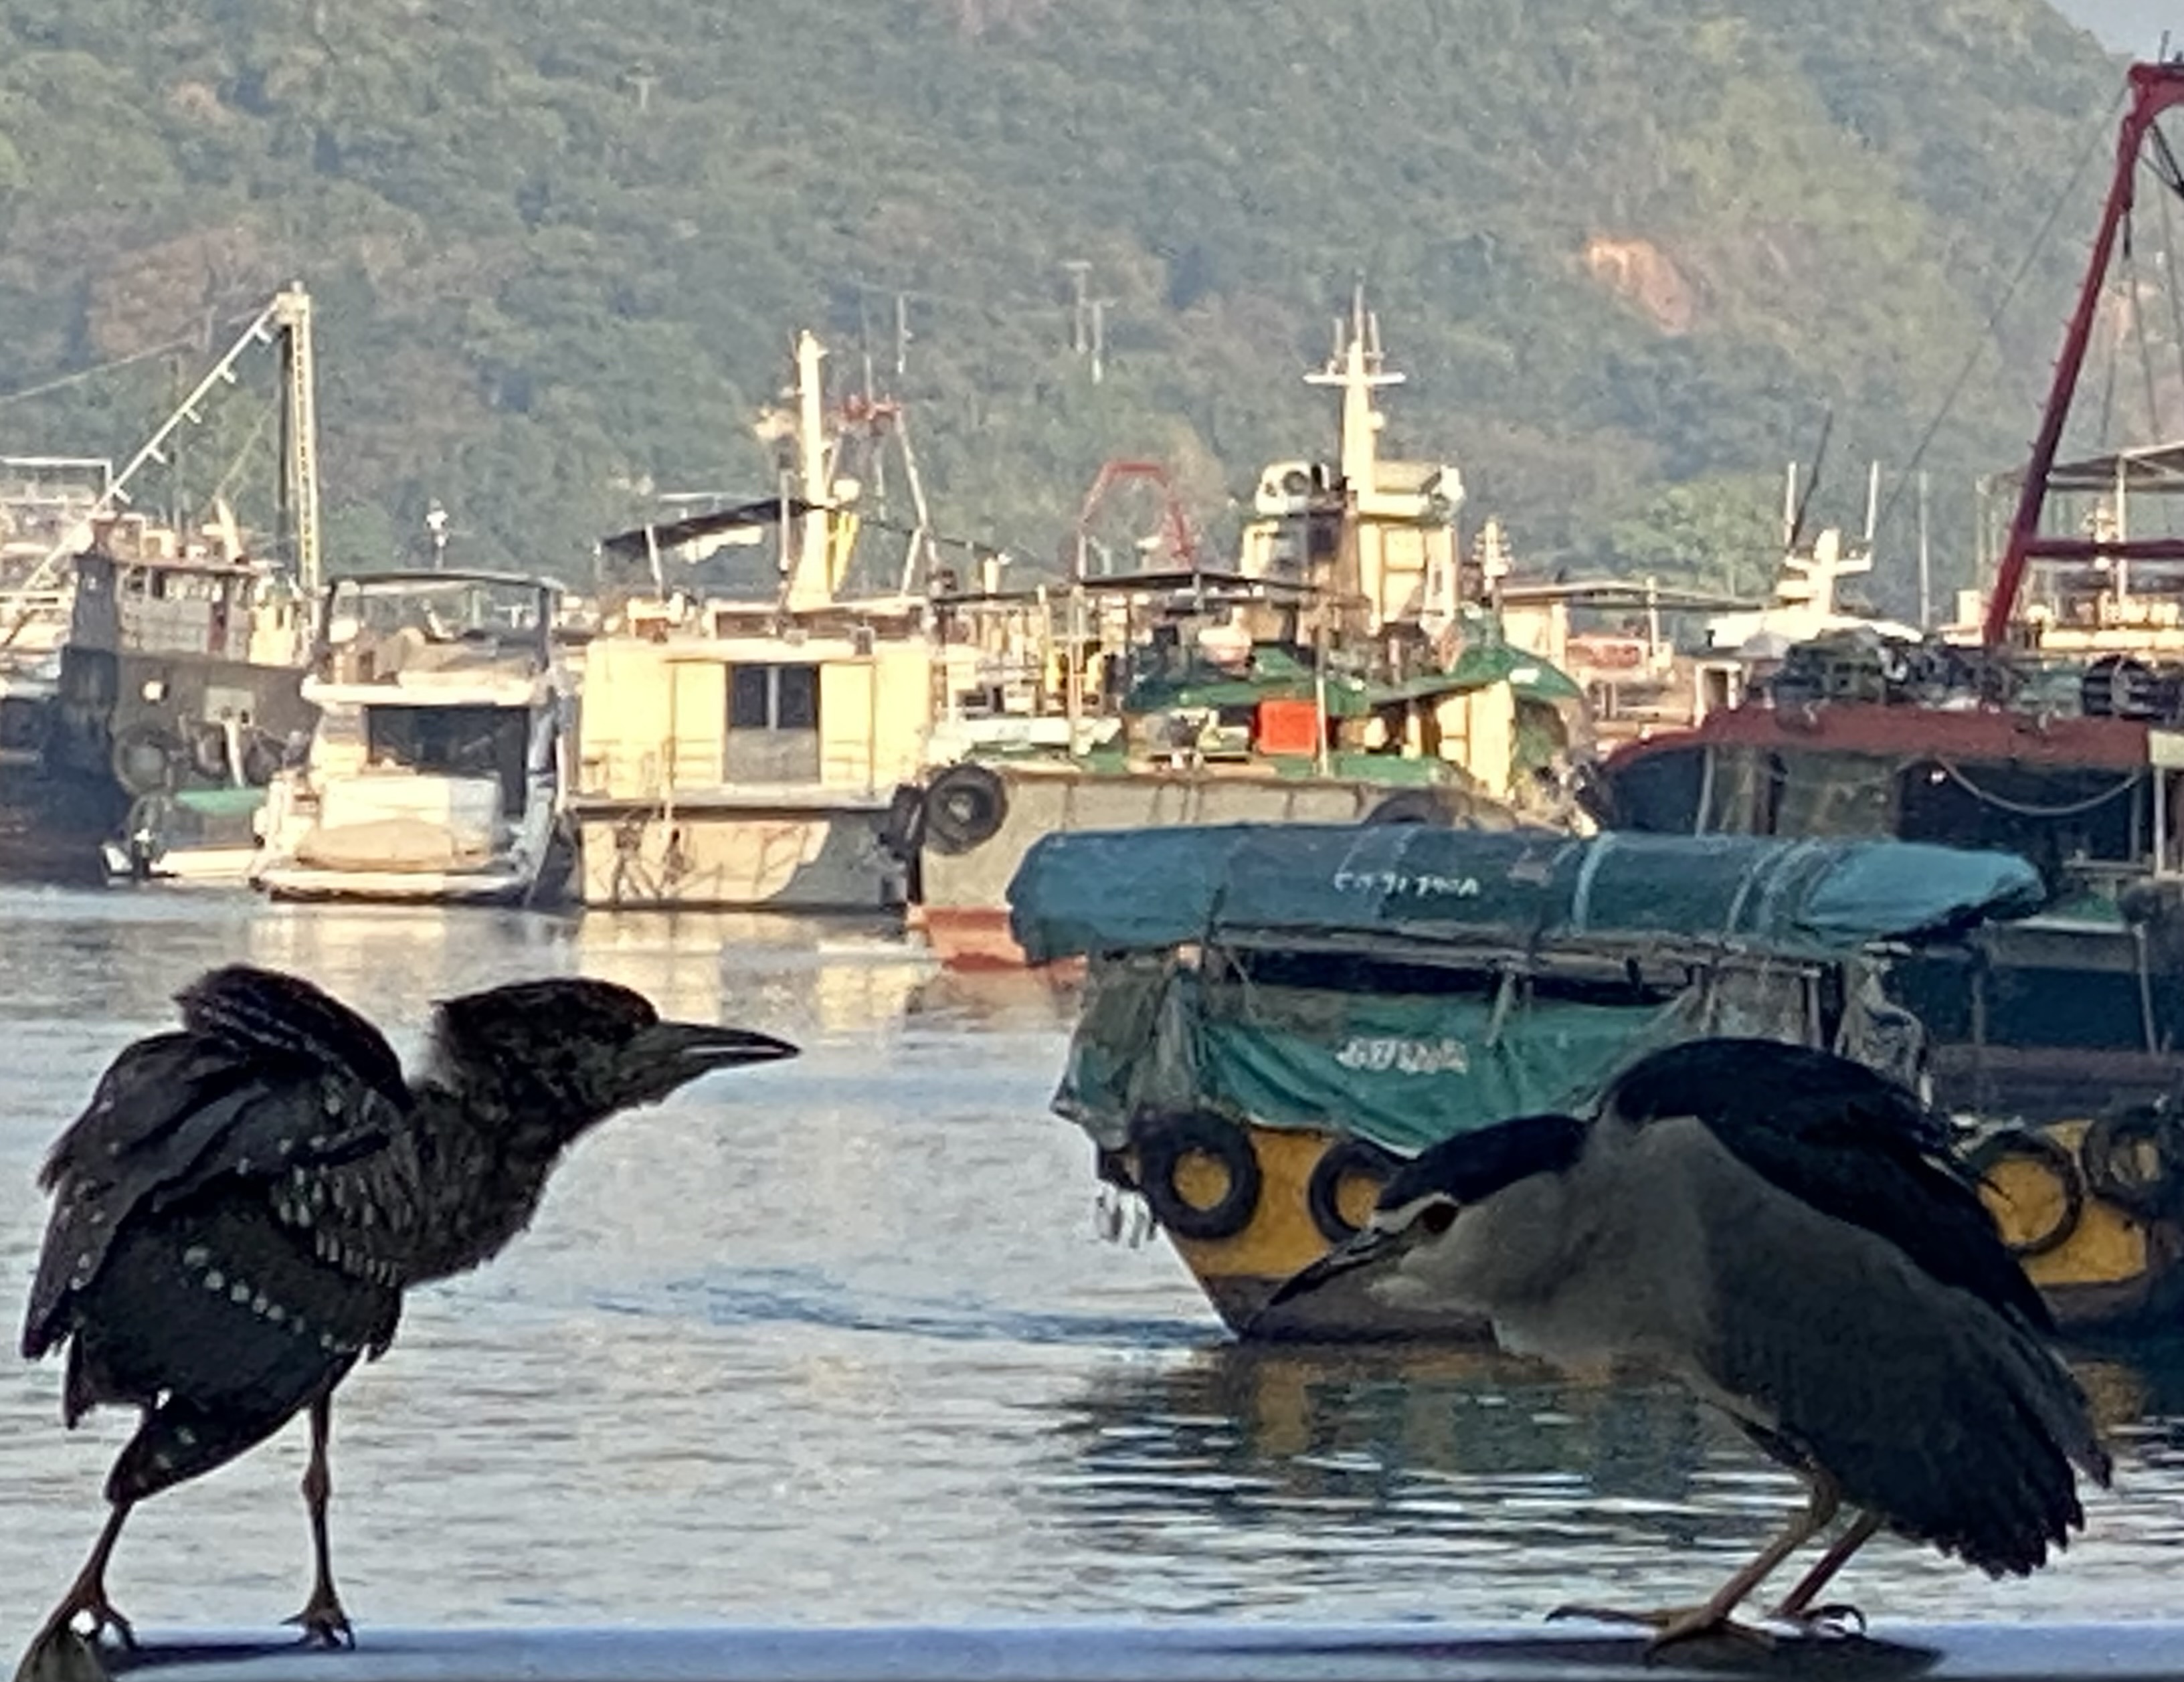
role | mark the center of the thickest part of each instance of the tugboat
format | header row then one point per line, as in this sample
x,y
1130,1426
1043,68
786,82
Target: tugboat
x,y
2058,735
1351,666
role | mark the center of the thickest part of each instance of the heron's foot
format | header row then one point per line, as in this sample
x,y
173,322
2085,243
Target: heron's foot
x,y
60,1654
1659,1618
89,1596
323,1622
1837,1617
1669,1624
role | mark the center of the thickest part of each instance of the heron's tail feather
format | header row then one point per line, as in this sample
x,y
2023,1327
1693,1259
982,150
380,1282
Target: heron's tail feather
x,y
180,1439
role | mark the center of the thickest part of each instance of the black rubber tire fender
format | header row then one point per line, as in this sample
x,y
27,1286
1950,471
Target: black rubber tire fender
x,y
902,832
2051,1154
1409,806
263,758
145,758
2111,1143
1163,1141
1348,1157
964,807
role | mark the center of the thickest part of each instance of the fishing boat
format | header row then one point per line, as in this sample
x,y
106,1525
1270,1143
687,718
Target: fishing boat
x,y
2055,731
436,771
1351,666
1639,679
144,659
750,707
1276,1016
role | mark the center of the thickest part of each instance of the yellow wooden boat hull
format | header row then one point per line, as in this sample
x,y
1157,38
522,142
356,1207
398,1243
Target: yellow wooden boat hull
x,y
2103,1268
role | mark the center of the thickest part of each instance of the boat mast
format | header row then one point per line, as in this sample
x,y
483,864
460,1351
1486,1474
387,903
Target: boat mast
x,y
2155,88
299,466
1357,369
810,584
288,315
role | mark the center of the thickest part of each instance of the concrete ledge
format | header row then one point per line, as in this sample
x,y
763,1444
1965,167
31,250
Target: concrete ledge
x,y
1178,1652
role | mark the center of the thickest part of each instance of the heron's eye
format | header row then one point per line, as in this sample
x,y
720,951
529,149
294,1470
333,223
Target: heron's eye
x,y
1437,1219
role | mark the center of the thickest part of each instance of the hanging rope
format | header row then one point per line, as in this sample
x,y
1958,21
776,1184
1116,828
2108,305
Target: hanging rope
x,y
2069,194
2023,808
2139,334
2175,287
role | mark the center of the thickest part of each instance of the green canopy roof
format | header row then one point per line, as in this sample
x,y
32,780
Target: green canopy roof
x,y
1277,674
1149,889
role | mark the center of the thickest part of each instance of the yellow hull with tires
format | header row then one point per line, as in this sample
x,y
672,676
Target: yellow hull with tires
x,y
2088,1205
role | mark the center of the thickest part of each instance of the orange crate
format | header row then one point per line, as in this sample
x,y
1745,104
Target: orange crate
x,y
1289,727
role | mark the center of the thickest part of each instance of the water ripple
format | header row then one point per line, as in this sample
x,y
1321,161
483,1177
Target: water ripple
x,y
834,1341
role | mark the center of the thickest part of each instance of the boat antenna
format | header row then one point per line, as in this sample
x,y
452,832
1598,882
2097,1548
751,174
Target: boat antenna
x,y
1813,484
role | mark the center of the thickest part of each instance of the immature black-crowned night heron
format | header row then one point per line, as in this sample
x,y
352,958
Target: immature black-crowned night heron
x,y
1796,1239
238,1214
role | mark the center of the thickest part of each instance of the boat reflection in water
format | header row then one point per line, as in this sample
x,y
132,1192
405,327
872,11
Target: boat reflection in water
x,y
835,977
1485,1487
852,978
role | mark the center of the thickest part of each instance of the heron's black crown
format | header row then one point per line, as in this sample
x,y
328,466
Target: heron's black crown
x,y
1472,1166
562,1055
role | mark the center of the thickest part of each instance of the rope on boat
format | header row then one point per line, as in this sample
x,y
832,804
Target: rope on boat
x,y
2025,809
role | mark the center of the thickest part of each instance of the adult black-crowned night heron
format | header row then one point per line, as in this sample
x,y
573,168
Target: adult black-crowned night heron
x,y
238,1213
1795,1238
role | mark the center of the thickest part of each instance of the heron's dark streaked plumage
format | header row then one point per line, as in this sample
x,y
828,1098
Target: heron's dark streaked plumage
x,y
239,1210
1798,1239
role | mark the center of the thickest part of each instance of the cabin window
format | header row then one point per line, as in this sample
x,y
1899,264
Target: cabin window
x,y
467,741
1658,791
2054,815
1740,792
1834,794
773,724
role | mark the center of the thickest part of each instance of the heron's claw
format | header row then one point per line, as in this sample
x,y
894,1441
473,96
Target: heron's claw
x,y
61,1654
1837,1617
104,1620
1669,1624
323,1622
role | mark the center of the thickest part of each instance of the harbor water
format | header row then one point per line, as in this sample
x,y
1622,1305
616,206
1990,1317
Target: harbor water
x,y
841,1340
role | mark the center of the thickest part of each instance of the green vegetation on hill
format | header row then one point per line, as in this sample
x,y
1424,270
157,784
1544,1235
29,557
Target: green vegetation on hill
x,y
560,249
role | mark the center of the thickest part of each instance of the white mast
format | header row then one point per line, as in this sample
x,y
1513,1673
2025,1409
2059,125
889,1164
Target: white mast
x,y
809,584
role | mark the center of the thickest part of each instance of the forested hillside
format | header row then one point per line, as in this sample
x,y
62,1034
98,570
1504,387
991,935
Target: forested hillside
x,y
560,249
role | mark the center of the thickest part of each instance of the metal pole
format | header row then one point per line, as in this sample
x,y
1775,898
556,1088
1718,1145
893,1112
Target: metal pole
x,y
2154,89
1925,562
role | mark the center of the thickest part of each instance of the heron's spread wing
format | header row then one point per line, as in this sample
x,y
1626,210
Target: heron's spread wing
x,y
174,1115
284,1017
1845,1140
1948,1418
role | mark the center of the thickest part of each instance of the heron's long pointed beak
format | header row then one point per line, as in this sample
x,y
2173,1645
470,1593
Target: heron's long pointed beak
x,y
1370,1246
700,1048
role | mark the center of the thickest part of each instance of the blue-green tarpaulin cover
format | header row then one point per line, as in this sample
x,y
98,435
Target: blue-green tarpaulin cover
x,y
1400,1069
1152,889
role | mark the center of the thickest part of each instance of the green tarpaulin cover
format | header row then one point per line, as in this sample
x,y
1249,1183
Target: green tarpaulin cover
x,y
1403,1068
1150,889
